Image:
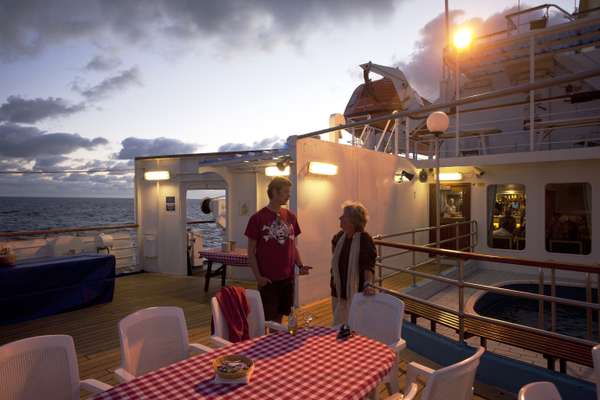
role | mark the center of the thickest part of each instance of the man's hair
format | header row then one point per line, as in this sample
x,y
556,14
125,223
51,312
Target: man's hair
x,y
276,184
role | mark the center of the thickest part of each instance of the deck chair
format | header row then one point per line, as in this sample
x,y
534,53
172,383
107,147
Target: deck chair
x,y
452,382
596,359
366,317
539,391
43,367
256,320
151,339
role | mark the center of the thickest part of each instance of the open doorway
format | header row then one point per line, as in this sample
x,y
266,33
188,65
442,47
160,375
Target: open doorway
x,y
205,223
455,211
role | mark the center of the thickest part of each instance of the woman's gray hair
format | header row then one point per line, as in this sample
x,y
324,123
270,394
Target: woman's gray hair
x,y
357,212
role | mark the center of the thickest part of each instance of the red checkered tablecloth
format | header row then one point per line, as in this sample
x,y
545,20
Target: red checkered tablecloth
x,y
311,365
235,258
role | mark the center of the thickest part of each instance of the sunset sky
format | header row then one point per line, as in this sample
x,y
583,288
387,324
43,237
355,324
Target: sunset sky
x,y
91,84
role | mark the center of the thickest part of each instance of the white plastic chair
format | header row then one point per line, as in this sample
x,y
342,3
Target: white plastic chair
x,y
67,245
452,382
380,317
256,319
43,367
151,339
596,358
539,391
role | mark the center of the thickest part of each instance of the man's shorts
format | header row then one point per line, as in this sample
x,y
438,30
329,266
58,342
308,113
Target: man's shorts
x,y
277,298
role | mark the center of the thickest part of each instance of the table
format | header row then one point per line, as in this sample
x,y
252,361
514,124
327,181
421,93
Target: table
x,y
39,287
237,258
311,365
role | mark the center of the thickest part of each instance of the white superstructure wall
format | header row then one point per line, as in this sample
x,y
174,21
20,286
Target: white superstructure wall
x,y
162,239
535,177
363,175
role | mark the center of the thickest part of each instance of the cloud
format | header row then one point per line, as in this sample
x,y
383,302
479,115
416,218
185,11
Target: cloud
x,y
102,63
28,111
274,142
424,68
62,185
48,162
13,164
111,85
112,167
27,27
30,142
136,147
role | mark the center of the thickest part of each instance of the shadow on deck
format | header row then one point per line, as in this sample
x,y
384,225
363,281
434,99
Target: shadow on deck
x,y
94,329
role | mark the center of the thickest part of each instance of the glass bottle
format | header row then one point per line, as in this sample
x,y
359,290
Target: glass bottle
x,y
292,322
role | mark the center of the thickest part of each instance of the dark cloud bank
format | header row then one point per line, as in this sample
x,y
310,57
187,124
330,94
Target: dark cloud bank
x,y
29,26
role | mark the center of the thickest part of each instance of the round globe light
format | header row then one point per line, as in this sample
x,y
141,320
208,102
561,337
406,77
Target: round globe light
x,y
438,121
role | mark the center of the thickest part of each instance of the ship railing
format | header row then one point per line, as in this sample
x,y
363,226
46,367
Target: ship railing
x,y
543,338
38,243
403,140
560,132
456,238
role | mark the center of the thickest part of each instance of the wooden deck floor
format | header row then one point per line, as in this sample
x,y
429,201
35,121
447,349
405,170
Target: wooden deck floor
x,y
94,329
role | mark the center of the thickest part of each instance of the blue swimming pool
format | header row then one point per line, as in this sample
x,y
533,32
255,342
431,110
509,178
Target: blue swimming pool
x,y
569,320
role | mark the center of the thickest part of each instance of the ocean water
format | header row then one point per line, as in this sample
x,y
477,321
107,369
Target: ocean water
x,y
39,213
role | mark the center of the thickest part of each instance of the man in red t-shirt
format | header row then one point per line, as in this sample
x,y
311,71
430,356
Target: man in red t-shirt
x,y
272,251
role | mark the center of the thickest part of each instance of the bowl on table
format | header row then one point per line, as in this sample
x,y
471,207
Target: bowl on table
x,y
233,367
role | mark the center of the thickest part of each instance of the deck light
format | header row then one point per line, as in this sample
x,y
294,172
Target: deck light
x,y
276,171
437,122
403,176
157,175
320,168
451,176
463,38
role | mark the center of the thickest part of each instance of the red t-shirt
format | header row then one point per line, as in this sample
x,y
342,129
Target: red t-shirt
x,y
274,234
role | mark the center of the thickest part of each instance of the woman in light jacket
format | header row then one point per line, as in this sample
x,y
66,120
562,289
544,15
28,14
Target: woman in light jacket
x,y
353,261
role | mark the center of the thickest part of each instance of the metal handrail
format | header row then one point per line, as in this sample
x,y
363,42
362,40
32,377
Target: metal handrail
x,y
524,88
484,318
566,266
195,222
66,230
528,10
424,229
472,235
461,284
499,290
53,231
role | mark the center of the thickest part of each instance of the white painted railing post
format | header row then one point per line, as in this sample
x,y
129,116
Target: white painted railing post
x,y
541,302
461,300
532,94
406,137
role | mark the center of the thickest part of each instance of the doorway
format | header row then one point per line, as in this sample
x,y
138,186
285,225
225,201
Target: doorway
x,y
455,208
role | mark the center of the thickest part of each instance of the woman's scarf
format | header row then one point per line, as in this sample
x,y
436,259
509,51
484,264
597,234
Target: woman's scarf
x,y
353,276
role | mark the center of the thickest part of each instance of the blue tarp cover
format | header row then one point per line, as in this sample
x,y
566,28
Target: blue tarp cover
x,y
40,287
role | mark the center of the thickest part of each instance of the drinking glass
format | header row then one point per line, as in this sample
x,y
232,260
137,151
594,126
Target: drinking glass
x,y
308,318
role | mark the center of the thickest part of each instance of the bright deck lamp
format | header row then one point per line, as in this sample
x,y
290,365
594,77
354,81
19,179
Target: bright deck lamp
x,y
463,38
321,168
157,175
451,176
276,171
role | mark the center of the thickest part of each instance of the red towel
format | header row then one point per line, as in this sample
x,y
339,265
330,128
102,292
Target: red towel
x,y
235,309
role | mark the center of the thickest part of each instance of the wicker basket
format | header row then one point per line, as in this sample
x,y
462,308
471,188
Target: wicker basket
x,y
217,362
8,260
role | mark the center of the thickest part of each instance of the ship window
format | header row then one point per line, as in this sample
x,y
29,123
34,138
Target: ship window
x,y
569,218
506,216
